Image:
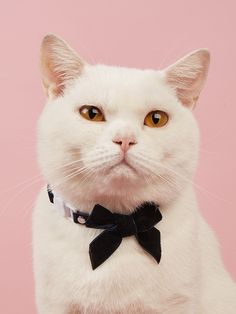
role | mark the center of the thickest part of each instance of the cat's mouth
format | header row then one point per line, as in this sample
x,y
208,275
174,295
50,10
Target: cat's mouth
x,y
123,164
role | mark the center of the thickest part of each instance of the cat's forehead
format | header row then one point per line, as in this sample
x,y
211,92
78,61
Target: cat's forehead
x,y
121,87
119,74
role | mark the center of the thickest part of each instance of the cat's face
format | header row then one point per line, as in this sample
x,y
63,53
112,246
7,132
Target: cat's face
x,y
118,133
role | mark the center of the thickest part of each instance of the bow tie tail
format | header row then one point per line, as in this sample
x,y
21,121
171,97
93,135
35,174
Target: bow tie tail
x,y
103,246
150,241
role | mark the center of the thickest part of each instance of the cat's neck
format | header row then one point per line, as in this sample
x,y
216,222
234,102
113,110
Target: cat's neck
x,y
127,204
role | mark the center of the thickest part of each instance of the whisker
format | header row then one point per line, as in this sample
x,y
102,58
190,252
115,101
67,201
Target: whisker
x,y
28,183
155,175
26,187
68,177
39,176
200,188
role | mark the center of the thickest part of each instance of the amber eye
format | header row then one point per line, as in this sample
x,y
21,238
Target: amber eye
x,y
156,119
91,113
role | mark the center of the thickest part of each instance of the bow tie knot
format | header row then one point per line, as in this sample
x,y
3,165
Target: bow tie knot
x,y
125,225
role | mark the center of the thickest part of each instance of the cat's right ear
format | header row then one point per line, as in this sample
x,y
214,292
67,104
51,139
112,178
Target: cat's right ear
x,y
59,64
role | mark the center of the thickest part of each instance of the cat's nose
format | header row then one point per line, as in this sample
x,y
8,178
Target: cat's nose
x,y
124,142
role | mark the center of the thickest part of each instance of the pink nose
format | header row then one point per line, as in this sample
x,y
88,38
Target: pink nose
x,y
124,142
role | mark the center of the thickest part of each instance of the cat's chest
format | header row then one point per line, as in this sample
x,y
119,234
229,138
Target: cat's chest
x,y
129,281
128,276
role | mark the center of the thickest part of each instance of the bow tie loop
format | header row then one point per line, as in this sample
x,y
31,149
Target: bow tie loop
x,y
147,216
100,218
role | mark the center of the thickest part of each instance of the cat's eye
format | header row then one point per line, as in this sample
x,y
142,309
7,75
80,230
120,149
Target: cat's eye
x,y
91,113
156,119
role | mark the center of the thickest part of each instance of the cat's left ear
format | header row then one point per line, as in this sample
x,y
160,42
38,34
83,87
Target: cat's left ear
x,y
187,76
59,64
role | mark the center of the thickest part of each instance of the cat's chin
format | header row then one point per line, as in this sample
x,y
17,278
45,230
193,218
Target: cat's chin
x,y
119,181
122,170
121,175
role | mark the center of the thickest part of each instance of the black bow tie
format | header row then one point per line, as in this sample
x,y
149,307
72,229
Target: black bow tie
x,y
140,224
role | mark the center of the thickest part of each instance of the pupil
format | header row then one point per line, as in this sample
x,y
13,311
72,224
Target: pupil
x,y
92,113
156,118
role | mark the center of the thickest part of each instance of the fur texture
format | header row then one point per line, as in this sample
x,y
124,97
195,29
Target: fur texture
x,y
83,161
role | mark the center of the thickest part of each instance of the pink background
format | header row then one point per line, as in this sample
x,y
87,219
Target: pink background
x,y
146,34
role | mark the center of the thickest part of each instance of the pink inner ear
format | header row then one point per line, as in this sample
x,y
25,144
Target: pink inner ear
x,y
52,79
57,78
187,89
187,76
54,83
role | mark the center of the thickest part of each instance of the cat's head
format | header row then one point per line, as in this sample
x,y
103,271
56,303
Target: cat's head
x,y
118,134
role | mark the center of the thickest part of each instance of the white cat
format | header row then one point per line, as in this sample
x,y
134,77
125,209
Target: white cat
x,y
119,137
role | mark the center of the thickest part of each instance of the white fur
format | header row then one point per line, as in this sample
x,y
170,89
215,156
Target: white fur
x,y
190,278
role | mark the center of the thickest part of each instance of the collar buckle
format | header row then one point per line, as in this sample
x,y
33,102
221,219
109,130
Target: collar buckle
x,y
80,218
